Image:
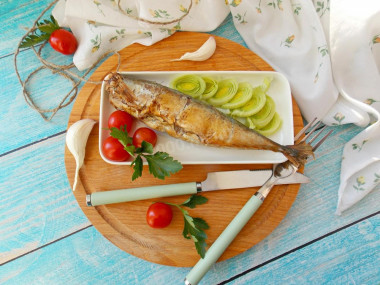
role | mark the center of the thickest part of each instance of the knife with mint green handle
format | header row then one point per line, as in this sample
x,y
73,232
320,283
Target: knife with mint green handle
x,y
215,181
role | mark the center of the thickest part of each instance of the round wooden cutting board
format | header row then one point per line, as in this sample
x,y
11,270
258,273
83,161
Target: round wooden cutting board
x,y
124,224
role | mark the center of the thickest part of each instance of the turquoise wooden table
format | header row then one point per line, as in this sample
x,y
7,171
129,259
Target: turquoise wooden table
x,y
46,239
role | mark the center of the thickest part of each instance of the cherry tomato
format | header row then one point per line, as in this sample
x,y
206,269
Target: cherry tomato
x,y
63,41
114,150
120,118
159,215
144,134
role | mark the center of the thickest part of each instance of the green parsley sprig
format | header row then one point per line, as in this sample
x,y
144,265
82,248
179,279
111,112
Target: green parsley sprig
x,y
160,164
42,33
194,227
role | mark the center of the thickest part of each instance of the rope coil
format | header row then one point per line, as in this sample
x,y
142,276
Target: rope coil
x,y
64,70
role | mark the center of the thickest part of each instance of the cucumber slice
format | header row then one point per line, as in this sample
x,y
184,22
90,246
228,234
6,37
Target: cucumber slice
x,y
253,106
265,115
192,85
226,91
273,126
211,88
242,96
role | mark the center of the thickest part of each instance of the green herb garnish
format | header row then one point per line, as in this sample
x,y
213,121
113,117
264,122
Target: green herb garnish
x,y
42,33
160,164
194,227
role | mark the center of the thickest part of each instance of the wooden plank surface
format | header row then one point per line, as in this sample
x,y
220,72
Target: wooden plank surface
x,y
335,265
14,111
37,201
124,224
311,245
16,18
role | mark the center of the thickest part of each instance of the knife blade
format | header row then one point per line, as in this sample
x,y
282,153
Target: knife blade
x,y
215,181
245,178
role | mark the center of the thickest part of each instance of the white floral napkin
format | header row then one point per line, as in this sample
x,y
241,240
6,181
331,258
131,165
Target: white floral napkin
x,y
328,50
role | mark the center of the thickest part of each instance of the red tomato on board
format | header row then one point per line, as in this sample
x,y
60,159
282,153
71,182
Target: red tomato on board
x,y
120,118
159,215
114,150
144,134
63,41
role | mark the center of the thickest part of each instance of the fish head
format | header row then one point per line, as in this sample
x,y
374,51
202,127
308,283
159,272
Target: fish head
x,y
126,94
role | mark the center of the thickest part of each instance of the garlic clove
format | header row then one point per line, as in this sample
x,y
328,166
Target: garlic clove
x,y
76,140
203,53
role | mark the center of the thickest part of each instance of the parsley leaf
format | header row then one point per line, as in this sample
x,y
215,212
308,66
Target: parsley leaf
x,y
123,137
145,147
194,200
200,223
41,34
48,26
137,167
201,247
160,164
194,227
32,40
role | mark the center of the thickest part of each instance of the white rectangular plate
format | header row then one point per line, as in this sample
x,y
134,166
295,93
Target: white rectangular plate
x,y
188,153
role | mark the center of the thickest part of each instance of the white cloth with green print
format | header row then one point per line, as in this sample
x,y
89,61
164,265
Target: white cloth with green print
x,y
328,50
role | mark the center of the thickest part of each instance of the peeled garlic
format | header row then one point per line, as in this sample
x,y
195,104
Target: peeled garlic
x,y
76,139
203,53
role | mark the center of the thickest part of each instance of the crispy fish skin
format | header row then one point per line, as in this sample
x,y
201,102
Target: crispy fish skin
x,y
186,118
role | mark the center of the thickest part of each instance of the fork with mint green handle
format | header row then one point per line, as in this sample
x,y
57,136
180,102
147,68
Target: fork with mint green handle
x,y
280,171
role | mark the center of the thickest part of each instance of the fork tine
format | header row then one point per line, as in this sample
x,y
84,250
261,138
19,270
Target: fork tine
x,y
301,132
318,144
311,131
317,135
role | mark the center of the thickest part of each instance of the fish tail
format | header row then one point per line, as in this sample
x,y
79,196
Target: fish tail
x,y
298,154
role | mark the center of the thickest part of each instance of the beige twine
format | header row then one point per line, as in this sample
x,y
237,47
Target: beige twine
x,y
64,70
